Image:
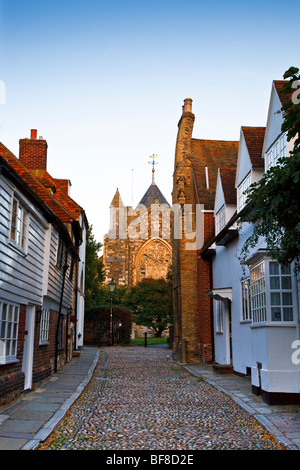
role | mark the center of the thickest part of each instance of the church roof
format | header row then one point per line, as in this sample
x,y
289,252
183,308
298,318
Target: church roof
x,y
117,200
152,195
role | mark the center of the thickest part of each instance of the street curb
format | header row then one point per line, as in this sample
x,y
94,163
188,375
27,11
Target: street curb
x,y
265,422
45,431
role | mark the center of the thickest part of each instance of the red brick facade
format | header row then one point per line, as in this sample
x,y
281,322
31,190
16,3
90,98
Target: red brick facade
x,y
194,182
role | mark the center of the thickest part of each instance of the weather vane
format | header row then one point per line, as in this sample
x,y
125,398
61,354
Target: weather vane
x,y
153,163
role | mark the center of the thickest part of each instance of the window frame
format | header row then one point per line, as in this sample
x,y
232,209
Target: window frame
x,y
279,147
9,333
18,229
246,310
220,219
220,309
267,304
241,191
44,327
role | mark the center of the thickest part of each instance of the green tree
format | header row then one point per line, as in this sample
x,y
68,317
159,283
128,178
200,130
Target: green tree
x,y
94,271
273,203
150,302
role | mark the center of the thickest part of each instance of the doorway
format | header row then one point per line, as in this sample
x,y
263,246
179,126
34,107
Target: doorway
x,y
27,364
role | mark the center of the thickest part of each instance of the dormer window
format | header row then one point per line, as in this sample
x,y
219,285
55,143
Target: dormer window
x,y
241,191
276,151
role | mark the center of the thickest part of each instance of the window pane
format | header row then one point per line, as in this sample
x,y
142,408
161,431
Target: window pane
x,y
2,330
287,298
275,298
274,268
4,311
276,313
286,282
16,317
275,282
287,314
286,269
10,313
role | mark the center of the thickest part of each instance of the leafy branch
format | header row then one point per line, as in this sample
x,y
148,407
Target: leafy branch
x,y
273,203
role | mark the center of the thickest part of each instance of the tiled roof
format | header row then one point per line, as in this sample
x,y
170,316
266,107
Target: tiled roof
x,y
227,176
152,195
254,138
284,98
45,194
59,193
212,154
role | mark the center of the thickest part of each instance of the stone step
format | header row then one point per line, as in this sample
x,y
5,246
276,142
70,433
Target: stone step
x,y
223,368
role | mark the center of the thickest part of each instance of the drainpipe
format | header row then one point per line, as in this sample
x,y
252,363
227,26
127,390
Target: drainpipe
x,y
59,313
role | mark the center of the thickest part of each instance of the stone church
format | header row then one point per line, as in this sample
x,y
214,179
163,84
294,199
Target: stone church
x,y
138,244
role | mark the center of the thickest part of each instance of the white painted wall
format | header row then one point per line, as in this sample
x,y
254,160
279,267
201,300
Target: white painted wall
x,y
21,272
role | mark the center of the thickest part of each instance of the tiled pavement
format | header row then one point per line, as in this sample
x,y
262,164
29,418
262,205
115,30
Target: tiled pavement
x,y
30,419
281,421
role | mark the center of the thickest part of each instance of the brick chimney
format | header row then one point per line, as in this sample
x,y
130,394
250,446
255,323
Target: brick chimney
x,y
33,152
187,107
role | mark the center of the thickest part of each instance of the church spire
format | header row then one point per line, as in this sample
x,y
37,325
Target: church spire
x,y
117,200
153,163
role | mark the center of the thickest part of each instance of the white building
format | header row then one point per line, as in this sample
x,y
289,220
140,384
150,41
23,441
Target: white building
x,y
255,305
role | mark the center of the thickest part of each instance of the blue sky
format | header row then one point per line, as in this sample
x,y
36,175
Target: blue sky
x,y
104,83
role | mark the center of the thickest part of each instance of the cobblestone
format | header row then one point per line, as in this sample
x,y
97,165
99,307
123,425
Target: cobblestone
x,y
140,399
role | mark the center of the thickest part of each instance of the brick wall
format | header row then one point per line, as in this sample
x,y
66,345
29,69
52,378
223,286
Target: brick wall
x,y
11,375
44,354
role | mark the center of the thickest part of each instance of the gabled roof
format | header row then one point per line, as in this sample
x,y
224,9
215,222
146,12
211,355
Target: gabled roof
x,y
54,203
254,138
279,84
227,176
211,154
152,195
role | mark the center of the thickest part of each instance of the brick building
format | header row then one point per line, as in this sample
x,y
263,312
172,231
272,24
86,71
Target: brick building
x,y
194,184
42,255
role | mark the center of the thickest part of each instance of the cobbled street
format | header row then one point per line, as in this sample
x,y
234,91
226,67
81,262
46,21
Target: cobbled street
x,y
140,399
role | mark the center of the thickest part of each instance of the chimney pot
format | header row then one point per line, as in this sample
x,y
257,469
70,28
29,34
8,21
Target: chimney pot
x,y
33,134
187,108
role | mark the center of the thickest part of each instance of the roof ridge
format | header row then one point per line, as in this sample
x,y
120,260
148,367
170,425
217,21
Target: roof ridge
x,y
9,155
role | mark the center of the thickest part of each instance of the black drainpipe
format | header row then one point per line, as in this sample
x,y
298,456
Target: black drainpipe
x,y
59,312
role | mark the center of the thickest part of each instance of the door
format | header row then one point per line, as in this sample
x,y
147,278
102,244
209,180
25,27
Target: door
x,y
28,346
229,328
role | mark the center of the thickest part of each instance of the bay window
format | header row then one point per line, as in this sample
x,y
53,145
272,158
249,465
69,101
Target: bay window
x,y
271,292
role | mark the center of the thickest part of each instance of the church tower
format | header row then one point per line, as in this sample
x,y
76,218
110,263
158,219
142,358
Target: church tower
x,y
138,243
